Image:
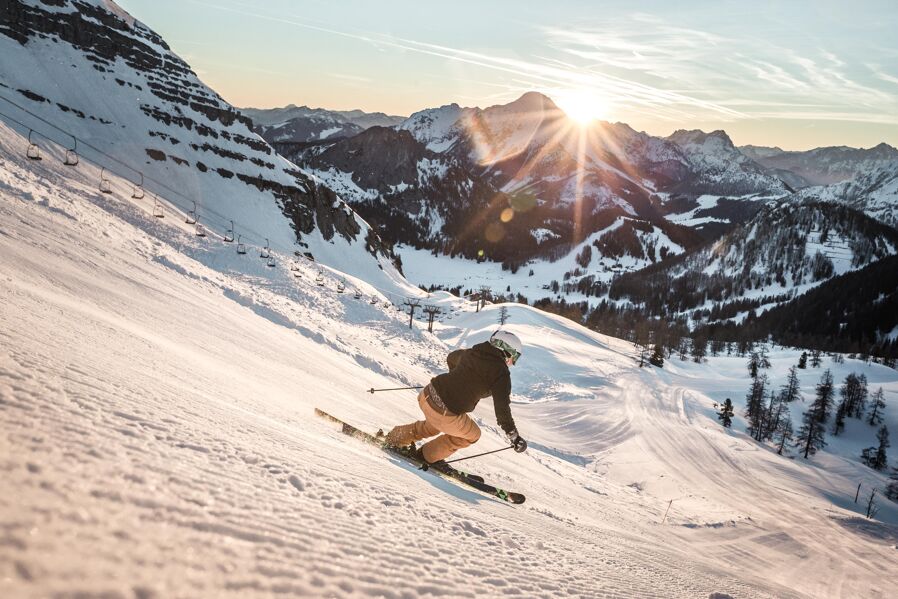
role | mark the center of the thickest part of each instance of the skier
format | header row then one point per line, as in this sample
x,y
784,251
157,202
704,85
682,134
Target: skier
x,y
473,374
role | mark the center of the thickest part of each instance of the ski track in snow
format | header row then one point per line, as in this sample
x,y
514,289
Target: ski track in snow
x,y
156,429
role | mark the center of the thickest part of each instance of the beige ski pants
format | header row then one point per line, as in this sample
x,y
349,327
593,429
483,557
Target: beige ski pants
x,y
458,429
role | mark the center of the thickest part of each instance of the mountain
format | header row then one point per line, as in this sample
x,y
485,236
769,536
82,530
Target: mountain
x,y
300,124
873,190
88,68
787,249
823,166
720,168
556,183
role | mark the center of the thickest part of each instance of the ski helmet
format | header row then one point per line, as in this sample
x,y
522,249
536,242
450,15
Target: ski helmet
x,y
509,343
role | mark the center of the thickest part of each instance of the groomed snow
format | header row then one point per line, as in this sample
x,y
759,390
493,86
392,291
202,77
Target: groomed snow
x,y
156,396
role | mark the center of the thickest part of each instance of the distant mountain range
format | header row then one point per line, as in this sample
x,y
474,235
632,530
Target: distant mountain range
x,y
301,124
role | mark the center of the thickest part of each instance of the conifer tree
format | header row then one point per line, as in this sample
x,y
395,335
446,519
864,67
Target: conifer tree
x,y
841,412
860,402
825,396
784,430
879,403
811,435
815,358
725,415
755,407
657,358
892,489
803,360
880,460
792,389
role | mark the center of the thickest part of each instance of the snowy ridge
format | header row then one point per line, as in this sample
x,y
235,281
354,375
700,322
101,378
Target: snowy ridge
x,y
156,390
121,90
873,190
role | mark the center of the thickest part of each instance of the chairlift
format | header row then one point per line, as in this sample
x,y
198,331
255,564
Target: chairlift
x,y
71,156
297,273
357,295
191,215
200,230
229,236
270,263
34,152
105,185
294,266
374,301
157,209
266,251
241,247
319,280
137,193
341,287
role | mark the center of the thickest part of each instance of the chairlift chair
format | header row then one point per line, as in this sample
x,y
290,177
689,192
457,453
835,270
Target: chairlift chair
x,y
319,280
137,193
200,230
270,263
229,236
297,273
374,301
157,209
341,287
241,247
105,185
71,156
266,251
34,152
191,215
357,295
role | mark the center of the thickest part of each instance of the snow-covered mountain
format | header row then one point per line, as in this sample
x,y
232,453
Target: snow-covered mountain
x,y
157,435
873,190
556,183
89,69
787,249
720,168
824,166
301,124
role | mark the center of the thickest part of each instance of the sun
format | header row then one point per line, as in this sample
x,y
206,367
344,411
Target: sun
x,y
582,106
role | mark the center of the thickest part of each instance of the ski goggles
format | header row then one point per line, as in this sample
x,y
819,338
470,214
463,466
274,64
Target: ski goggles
x,y
509,351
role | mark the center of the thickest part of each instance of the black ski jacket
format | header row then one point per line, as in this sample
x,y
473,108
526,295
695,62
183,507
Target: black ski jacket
x,y
474,374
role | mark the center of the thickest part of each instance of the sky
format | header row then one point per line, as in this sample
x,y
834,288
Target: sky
x,y
796,74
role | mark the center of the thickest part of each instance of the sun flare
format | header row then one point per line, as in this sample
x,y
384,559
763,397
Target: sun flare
x,y
582,106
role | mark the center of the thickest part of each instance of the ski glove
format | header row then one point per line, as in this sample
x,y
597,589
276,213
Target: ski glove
x,y
517,441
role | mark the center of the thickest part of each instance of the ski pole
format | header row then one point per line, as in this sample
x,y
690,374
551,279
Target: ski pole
x,y
480,454
373,390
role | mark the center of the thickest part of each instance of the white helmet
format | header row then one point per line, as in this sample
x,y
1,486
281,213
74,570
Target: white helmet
x,y
508,343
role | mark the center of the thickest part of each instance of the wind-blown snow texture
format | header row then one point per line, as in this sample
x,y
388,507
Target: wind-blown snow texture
x,y
156,395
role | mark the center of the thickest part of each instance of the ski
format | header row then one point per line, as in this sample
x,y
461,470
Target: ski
x,y
470,480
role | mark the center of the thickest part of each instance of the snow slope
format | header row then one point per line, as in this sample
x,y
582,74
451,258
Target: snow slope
x,y
156,395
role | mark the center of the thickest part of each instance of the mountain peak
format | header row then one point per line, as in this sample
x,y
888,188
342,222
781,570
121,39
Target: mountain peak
x,y
530,102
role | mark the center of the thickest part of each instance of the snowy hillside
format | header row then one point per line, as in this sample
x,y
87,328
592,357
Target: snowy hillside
x,y
87,76
156,424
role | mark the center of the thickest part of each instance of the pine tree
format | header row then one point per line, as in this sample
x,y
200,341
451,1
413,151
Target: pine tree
x,y
699,348
892,489
725,415
811,434
784,430
803,360
754,364
755,407
657,358
792,389
860,402
879,403
880,460
841,412
815,358
825,396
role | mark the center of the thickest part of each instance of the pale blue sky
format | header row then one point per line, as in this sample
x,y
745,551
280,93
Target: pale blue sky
x,y
792,73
